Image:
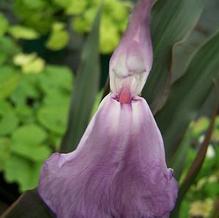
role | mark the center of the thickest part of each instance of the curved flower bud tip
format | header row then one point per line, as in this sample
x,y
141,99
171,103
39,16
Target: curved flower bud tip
x,y
118,169
131,62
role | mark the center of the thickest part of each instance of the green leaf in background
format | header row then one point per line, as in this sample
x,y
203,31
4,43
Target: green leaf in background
x,y
9,78
23,171
189,93
4,151
22,32
28,141
180,161
196,165
56,98
85,89
75,7
35,4
31,152
113,22
198,160
111,39
8,119
37,14
30,134
212,187
56,78
58,38
3,25
82,24
199,126
25,90
215,136
32,120
62,3
54,118
201,208
7,49
171,22
29,63
25,114
115,12
185,212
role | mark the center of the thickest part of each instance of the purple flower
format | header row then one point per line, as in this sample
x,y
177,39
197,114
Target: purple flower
x,y
118,169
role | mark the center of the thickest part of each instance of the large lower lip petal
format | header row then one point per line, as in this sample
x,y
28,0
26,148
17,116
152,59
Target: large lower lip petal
x,y
118,169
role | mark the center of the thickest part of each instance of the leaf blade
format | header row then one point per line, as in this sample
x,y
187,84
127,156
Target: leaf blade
x,y
29,205
85,89
189,93
171,22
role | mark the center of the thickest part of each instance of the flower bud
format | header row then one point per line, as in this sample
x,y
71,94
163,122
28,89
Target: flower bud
x,y
131,62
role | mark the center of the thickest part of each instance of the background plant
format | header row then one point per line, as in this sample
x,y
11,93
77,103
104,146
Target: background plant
x,y
50,61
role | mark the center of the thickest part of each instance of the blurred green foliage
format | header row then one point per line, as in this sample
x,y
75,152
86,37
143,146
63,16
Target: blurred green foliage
x,y
33,116
199,201
58,18
34,99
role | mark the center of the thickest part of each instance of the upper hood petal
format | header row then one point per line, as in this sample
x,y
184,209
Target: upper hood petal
x,y
131,62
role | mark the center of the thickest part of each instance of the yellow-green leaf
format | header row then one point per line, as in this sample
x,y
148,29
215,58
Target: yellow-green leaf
x,y
22,32
59,37
3,24
29,63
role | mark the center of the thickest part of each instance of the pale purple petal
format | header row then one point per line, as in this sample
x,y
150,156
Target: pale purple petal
x,y
131,62
117,171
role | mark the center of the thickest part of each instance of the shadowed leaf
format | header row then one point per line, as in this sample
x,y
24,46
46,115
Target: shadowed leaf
x,y
85,89
171,22
189,94
207,24
29,205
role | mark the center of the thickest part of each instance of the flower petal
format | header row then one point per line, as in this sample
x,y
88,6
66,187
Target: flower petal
x,y
118,169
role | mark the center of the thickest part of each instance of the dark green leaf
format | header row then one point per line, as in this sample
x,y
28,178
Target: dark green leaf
x,y
29,205
181,156
189,93
85,89
208,23
171,22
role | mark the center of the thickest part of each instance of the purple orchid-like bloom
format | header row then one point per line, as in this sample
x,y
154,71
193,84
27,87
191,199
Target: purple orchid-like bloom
x,y
118,169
